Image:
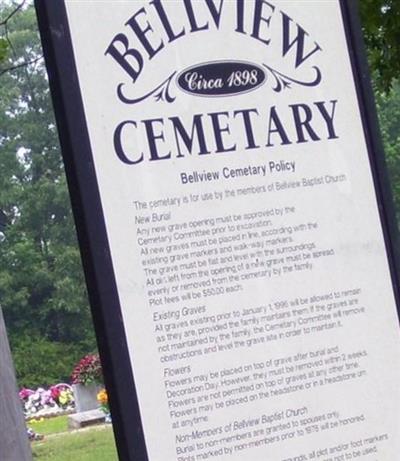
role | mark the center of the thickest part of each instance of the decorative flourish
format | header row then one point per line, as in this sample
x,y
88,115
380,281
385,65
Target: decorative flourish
x,y
282,81
160,93
163,91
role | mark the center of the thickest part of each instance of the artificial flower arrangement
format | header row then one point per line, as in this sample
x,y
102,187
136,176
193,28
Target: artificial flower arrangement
x,y
88,371
56,399
60,397
102,398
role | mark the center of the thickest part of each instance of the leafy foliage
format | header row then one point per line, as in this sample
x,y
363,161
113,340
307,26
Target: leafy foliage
x,y
42,290
40,361
388,105
381,19
3,49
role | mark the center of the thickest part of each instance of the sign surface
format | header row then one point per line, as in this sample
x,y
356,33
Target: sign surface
x,y
244,256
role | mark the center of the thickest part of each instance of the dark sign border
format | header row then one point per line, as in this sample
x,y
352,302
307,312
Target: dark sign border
x,y
91,229
369,118
90,222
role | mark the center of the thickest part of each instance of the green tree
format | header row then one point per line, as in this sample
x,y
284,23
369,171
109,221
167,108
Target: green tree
x,y
388,105
381,27
42,290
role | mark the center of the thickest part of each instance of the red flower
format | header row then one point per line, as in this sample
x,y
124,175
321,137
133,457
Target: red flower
x,y
88,371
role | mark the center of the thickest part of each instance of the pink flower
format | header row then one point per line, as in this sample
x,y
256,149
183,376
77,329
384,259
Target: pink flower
x,y
25,393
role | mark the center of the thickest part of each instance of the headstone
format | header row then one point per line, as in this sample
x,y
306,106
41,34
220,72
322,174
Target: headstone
x,y
86,397
85,419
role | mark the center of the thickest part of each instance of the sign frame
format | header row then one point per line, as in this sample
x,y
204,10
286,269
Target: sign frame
x,y
90,222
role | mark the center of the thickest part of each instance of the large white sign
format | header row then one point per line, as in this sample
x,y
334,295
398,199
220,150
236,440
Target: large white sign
x,y
244,229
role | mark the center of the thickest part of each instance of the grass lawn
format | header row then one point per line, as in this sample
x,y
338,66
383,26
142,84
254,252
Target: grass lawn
x,y
50,425
96,444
